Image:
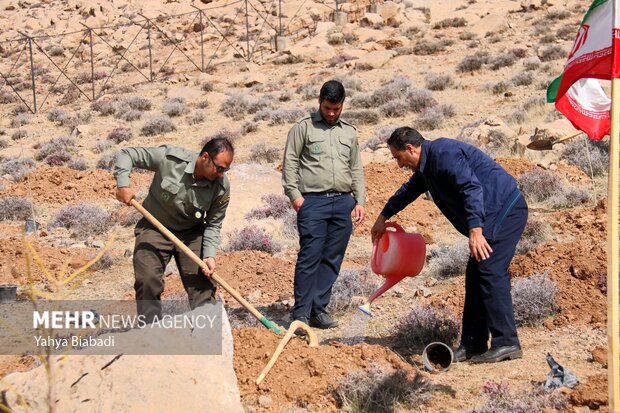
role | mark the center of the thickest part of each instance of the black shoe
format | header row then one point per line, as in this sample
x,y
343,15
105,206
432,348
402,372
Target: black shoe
x,y
497,354
300,331
323,321
463,353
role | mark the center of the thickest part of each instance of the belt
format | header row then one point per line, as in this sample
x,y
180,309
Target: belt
x,y
328,194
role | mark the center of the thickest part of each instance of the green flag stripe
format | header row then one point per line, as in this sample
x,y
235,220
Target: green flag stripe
x,y
552,90
594,5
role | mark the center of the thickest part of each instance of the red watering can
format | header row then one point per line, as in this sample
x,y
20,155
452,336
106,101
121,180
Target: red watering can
x,y
396,255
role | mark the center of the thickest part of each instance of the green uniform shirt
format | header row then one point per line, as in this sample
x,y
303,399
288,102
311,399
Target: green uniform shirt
x,y
320,157
175,198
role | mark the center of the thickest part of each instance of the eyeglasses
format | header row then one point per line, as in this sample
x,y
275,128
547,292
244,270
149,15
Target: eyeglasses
x,y
219,169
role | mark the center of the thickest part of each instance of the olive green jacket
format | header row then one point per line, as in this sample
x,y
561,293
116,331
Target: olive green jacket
x,y
175,198
320,157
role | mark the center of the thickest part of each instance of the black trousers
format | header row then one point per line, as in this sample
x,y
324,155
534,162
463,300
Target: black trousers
x,y
152,253
488,303
324,225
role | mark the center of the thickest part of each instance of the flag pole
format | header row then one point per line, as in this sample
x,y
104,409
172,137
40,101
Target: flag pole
x,y
613,328
613,371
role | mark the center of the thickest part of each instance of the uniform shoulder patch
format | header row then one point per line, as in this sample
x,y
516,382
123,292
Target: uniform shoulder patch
x,y
180,153
348,124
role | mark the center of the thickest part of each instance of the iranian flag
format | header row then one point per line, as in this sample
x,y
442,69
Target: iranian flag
x,y
577,92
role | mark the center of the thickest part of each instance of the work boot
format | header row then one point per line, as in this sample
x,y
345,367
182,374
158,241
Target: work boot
x,y
323,321
497,354
463,353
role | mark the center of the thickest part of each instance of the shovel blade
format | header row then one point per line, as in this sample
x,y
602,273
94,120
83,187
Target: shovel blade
x,y
540,145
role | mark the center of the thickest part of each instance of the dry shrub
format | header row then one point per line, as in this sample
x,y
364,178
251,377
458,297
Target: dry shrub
x,y
380,137
450,22
501,400
239,104
102,146
362,117
449,261
264,153
19,134
570,197
420,99
254,238
175,107
532,63
470,64
105,107
15,208
557,14
79,164
431,118
120,134
425,325
248,127
222,133
503,60
196,118
20,120
426,47
17,168
516,117
58,158
500,87
58,115
58,144
352,283
394,109
467,36
553,52
82,219
541,184
582,152
438,82
523,79
381,389
274,206
107,161
536,232
157,126
279,116
308,91
138,103
533,299
3,144
106,261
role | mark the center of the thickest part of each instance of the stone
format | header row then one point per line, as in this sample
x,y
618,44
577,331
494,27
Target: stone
x,y
98,244
376,59
371,20
264,401
389,11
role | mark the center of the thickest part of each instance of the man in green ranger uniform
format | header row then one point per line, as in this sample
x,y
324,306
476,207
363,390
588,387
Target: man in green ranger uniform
x,y
189,196
323,177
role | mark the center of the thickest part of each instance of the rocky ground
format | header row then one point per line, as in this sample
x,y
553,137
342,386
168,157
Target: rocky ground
x,y
498,106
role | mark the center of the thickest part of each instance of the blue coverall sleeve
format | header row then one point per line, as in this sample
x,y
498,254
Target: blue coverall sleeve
x,y
405,195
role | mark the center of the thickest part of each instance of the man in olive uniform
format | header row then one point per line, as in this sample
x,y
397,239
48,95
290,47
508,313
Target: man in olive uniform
x,y
189,196
323,177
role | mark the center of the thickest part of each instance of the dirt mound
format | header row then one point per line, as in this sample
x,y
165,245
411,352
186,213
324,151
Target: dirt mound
x,y
13,266
382,180
302,376
59,185
592,393
258,275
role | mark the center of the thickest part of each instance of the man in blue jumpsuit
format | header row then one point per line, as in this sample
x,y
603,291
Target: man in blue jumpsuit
x,y
483,202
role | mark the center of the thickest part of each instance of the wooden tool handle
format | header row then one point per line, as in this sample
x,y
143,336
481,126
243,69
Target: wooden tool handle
x,y
177,242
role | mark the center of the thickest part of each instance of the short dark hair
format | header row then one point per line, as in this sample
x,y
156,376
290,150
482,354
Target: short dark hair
x,y
333,91
403,136
216,146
